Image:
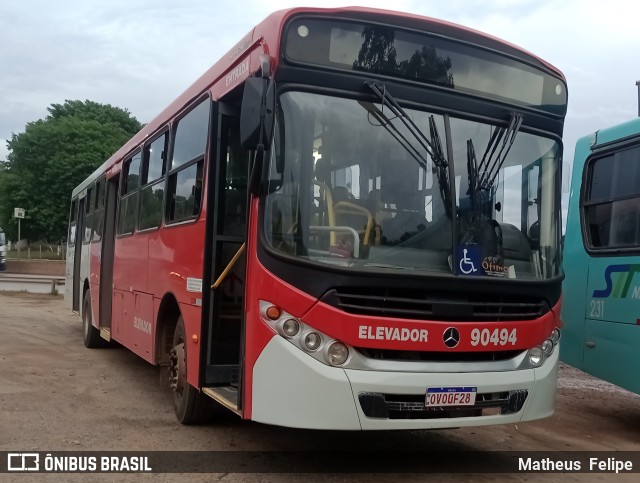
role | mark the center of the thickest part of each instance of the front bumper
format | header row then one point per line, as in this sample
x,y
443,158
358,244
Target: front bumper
x,y
292,389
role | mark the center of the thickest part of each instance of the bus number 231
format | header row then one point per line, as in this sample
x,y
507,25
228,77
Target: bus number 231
x,y
597,309
496,337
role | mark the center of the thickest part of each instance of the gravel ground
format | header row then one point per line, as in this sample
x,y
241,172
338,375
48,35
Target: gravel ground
x,y
55,395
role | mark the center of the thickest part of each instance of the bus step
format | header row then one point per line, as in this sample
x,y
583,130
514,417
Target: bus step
x,y
225,395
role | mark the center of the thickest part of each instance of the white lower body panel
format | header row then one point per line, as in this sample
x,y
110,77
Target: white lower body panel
x,y
295,390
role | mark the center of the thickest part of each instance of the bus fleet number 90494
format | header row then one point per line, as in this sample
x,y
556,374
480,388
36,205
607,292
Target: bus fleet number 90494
x,y
496,337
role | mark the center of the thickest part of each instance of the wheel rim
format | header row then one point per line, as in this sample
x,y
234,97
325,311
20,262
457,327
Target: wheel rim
x,y
177,371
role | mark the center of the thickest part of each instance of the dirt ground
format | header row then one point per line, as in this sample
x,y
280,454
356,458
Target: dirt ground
x,y
36,267
55,395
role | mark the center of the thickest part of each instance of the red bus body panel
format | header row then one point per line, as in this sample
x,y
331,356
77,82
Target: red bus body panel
x,y
168,261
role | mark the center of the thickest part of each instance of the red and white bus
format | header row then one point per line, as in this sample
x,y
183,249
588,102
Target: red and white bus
x,y
351,221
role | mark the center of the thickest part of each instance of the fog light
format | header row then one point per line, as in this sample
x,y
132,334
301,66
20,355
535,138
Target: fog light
x,y
535,356
547,347
290,327
337,353
312,341
555,336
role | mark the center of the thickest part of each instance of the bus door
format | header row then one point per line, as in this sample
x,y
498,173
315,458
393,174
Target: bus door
x,y
108,244
226,234
77,256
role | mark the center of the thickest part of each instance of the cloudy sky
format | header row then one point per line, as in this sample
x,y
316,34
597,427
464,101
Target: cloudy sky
x,y
140,54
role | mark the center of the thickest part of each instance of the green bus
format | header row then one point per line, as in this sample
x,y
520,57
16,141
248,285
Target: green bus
x,y
601,306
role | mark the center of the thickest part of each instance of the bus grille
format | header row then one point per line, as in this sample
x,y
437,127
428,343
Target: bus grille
x,y
403,406
416,304
430,356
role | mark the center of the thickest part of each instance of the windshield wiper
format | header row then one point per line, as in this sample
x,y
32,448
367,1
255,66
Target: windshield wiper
x,y
482,177
491,162
474,191
385,122
433,146
442,170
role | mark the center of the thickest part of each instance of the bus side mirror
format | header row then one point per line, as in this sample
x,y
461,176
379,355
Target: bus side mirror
x,y
258,113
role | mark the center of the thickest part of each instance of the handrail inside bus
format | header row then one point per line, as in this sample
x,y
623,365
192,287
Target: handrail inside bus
x,y
228,268
344,229
353,209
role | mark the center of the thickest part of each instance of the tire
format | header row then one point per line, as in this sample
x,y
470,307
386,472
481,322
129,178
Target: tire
x,y
190,405
90,335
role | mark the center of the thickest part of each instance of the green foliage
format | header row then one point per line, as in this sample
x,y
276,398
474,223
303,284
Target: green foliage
x,y
378,54
51,157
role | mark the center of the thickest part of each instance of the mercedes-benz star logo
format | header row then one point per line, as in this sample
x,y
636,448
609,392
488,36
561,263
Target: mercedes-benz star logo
x,y
451,337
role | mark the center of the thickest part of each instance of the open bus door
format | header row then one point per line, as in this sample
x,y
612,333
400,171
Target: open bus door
x,y
226,235
233,177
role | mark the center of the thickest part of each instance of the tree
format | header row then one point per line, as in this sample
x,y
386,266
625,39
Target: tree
x,y
378,54
51,157
426,64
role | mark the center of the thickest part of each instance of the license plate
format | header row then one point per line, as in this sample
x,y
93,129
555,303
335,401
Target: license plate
x,y
450,396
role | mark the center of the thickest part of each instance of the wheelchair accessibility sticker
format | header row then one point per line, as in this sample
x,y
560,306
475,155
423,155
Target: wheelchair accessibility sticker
x,y
469,260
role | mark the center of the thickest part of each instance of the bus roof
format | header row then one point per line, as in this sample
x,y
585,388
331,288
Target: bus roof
x,y
616,133
269,32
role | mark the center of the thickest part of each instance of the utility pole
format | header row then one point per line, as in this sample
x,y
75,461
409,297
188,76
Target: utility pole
x,y
638,84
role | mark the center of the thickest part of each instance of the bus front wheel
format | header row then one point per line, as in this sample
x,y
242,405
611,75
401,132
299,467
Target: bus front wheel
x,y
189,404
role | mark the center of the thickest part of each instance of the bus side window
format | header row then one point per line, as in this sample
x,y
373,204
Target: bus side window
x,y
98,216
152,192
89,209
612,204
73,218
129,195
187,165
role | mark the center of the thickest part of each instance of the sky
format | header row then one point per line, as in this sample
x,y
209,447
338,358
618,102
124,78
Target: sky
x,y
141,54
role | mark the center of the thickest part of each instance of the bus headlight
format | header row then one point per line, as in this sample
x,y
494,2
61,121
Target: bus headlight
x,y
312,341
547,347
322,347
337,353
291,327
536,356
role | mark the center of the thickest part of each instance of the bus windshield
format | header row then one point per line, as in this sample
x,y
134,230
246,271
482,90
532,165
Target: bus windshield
x,y
347,188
